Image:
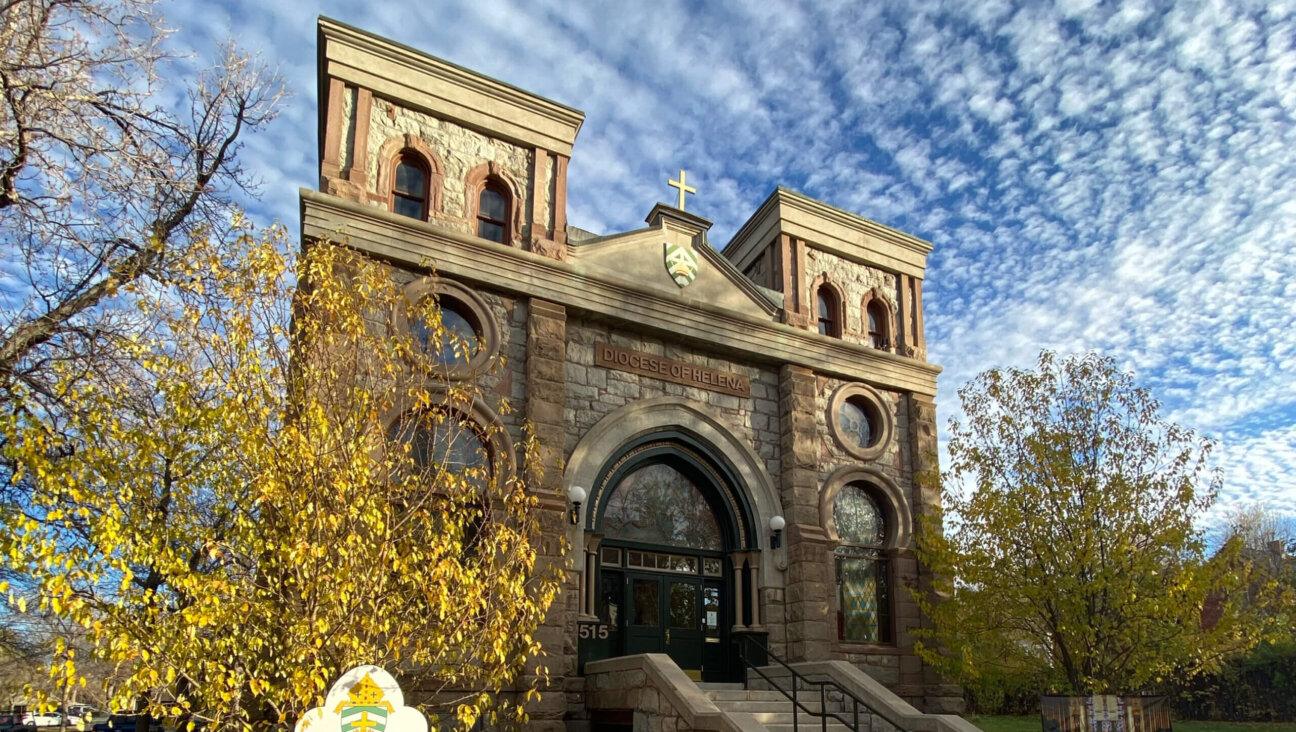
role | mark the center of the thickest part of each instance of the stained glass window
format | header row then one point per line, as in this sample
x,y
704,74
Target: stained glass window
x,y
858,518
863,573
658,504
446,441
858,424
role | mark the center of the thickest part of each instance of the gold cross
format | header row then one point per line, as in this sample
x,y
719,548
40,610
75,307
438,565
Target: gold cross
x,y
683,187
365,723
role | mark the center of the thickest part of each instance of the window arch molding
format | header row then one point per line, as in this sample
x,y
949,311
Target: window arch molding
x,y
875,409
824,287
876,303
493,174
888,495
390,154
490,428
467,303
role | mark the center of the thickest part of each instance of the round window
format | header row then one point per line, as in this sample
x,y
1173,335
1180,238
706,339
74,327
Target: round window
x,y
466,338
458,339
860,420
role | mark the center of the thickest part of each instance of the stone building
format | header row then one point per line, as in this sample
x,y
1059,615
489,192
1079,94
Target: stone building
x,y
743,423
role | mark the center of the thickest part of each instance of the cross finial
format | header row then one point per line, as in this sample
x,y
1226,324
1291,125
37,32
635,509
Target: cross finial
x,y
683,187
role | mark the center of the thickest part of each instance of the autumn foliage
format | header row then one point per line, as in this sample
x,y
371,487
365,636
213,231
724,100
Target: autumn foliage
x,y
1071,559
275,484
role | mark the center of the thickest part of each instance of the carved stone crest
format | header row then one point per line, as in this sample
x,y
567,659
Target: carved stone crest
x,y
681,263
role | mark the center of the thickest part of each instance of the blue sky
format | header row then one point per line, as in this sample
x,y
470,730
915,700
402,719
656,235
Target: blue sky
x,y
1117,177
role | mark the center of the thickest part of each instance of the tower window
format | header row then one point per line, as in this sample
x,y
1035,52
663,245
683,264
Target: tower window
x,y
878,319
829,319
410,187
492,213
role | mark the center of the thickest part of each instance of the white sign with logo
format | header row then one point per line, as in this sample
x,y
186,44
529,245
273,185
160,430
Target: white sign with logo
x,y
364,699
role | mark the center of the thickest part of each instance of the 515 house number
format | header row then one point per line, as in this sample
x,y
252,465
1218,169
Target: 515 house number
x,y
594,631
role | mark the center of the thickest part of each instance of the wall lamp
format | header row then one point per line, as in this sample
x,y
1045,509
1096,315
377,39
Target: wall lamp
x,y
577,495
776,525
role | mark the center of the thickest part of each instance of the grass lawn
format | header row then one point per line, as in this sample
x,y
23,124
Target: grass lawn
x,y
1032,724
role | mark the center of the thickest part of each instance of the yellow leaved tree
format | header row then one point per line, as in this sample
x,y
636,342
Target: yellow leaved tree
x,y
276,483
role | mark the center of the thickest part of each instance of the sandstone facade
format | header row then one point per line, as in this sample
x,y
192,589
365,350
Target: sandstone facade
x,y
725,379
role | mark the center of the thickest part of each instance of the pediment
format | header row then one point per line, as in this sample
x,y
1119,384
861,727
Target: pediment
x,y
640,256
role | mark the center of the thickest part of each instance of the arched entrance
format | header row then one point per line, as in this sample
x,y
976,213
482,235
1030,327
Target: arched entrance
x,y
674,548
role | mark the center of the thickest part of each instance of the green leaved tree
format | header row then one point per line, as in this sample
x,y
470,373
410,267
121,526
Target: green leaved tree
x,y
1070,554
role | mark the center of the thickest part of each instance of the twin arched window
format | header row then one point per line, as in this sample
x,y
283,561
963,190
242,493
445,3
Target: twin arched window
x,y
411,191
863,572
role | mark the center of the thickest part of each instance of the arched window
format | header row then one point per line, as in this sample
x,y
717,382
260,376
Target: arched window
x,y
863,572
409,191
879,320
829,312
450,460
658,504
493,212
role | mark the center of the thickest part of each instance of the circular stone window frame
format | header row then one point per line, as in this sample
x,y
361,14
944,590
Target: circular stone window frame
x,y
886,423
491,429
488,329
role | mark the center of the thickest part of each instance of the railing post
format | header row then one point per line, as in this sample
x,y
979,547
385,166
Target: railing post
x,y
855,709
796,706
823,707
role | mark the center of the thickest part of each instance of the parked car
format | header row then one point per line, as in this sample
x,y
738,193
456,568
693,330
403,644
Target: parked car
x,y
43,719
10,721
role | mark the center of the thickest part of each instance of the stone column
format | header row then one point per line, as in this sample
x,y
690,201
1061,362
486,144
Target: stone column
x,y
546,388
939,695
809,574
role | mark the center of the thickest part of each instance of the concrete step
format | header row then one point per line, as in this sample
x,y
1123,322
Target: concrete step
x,y
725,695
772,705
719,685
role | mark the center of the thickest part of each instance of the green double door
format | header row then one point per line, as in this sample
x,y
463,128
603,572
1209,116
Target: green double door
x,y
676,615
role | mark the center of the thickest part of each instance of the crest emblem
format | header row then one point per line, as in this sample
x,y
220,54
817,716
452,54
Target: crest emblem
x,y
681,264
365,709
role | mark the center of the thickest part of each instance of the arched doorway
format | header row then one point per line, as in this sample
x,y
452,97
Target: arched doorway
x,y
674,547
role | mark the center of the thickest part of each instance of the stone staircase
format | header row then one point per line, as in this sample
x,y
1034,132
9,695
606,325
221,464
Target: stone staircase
x,y
772,709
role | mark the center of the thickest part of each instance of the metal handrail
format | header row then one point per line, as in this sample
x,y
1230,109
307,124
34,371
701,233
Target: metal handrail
x,y
823,713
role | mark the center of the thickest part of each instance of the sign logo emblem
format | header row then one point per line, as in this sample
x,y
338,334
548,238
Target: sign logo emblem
x,y
681,263
366,710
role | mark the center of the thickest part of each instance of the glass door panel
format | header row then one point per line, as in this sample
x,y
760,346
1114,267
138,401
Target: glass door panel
x,y
684,636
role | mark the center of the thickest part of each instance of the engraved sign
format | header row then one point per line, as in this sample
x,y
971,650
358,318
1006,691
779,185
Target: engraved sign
x,y
667,369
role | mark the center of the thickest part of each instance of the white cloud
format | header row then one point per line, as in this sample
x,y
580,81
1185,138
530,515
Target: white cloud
x,y
1092,177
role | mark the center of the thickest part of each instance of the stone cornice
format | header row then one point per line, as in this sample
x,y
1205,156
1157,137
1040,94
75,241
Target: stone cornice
x,y
396,71
831,229
409,242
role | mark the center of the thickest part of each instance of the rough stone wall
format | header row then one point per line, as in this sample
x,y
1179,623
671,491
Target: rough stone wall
x,y
595,391
855,280
805,609
460,150
895,666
